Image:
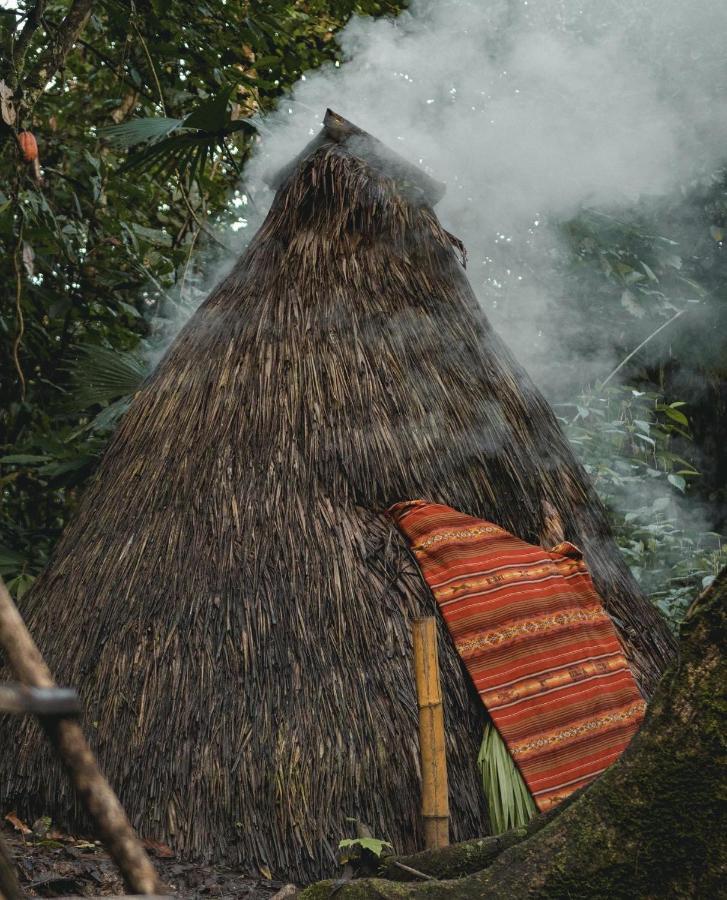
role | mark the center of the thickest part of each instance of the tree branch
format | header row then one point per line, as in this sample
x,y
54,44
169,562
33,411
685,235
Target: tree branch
x,y
112,66
55,54
20,46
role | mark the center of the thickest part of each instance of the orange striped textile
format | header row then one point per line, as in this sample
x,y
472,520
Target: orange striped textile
x,y
536,641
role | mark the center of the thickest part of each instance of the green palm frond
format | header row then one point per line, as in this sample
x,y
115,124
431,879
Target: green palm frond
x,y
179,145
101,376
184,152
509,801
139,131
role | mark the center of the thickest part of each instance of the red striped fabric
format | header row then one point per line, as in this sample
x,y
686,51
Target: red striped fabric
x,y
536,641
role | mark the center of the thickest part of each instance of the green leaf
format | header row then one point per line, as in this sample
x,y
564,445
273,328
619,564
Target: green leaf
x,y
153,236
172,154
100,376
106,419
211,115
677,416
509,801
373,845
649,271
20,585
64,466
678,481
23,459
646,439
129,309
139,131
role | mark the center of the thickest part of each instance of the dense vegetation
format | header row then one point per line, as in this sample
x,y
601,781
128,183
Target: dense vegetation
x,y
142,114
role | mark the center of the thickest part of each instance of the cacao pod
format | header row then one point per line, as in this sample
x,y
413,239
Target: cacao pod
x,y
28,146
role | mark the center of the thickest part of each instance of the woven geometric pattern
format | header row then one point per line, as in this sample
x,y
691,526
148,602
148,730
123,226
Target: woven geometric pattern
x,y
536,641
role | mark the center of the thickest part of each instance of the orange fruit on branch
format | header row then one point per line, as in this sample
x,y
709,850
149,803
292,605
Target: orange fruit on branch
x,y
28,146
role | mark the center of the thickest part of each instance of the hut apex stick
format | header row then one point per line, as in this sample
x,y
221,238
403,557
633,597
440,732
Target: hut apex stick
x,y
435,796
95,793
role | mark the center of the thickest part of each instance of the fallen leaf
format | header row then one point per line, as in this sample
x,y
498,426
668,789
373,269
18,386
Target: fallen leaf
x,y
287,891
87,845
56,835
7,110
11,817
158,849
265,872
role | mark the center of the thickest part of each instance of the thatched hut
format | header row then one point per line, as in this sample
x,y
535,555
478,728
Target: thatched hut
x,y
231,599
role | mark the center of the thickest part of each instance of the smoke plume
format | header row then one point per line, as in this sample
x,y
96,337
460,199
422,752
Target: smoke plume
x,y
530,111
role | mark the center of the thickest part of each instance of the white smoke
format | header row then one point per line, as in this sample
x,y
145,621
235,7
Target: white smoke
x,y
530,111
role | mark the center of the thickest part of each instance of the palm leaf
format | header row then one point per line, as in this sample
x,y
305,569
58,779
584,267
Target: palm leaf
x,y
509,801
188,150
175,153
211,114
140,131
100,376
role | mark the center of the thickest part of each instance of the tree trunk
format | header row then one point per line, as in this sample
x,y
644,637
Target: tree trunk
x,y
652,826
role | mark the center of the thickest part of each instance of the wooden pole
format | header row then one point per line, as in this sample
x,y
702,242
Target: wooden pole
x,y
435,797
38,701
95,793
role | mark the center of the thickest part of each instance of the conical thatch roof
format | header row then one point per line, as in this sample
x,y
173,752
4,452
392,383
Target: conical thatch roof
x,y
231,599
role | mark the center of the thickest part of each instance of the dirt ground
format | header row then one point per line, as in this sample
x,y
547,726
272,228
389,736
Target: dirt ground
x,y
59,865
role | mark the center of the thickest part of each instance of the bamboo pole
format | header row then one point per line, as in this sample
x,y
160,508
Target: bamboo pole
x,y
95,793
435,797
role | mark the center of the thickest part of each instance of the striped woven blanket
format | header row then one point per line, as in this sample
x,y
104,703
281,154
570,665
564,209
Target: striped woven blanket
x,y
536,641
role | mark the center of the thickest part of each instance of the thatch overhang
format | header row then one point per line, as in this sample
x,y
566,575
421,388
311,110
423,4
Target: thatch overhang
x,y
231,600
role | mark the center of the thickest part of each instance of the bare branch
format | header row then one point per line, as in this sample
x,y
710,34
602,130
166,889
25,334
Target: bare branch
x,y
55,54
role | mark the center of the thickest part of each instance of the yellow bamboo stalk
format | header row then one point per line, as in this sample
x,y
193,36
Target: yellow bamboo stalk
x,y
435,797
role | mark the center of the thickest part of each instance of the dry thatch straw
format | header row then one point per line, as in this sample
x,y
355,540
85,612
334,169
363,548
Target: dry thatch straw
x,y
231,600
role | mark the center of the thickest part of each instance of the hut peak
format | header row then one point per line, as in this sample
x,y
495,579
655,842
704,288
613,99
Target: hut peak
x,y
415,182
